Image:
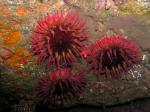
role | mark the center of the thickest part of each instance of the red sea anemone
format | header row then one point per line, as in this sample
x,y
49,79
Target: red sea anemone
x,y
58,39
60,85
113,55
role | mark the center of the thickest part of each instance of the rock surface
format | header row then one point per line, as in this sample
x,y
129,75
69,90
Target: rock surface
x,y
22,16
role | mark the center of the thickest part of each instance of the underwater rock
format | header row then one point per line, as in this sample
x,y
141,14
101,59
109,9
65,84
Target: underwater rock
x,y
133,26
133,85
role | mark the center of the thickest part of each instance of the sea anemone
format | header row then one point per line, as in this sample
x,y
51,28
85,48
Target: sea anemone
x,y
113,55
59,39
60,85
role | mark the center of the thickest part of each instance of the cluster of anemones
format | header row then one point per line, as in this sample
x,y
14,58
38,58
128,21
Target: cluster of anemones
x,y
113,55
59,40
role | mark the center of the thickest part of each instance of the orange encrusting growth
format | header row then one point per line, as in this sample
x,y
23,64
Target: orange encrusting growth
x,y
20,57
11,38
14,55
23,11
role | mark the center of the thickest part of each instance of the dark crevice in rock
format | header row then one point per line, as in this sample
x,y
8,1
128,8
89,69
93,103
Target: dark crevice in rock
x,y
143,105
